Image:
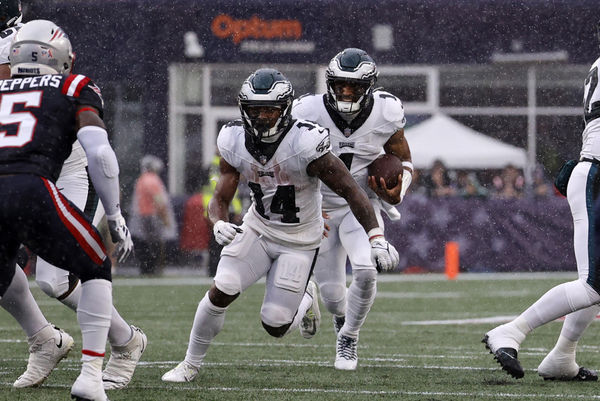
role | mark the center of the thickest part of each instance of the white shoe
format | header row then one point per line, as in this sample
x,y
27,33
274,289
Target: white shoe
x,y
88,386
346,356
184,372
559,366
46,348
312,318
123,360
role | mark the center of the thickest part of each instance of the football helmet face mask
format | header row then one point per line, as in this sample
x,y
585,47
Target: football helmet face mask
x,y
265,102
41,47
10,13
351,76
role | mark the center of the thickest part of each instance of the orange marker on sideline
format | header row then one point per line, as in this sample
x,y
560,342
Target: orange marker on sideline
x,y
452,258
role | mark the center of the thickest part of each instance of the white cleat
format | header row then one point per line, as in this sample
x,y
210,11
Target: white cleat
x,y
312,318
562,366
183,372
346,356
123,360
88,386
46,349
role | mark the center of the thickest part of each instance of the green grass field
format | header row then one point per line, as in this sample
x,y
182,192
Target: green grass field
x,y
421,341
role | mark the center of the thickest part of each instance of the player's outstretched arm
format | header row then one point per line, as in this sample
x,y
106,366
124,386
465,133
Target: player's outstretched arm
x,y
104,173
218,207
332,171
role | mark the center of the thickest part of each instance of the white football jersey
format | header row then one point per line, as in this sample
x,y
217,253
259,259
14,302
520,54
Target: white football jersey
x,y
6,37
591,112
76,162
361,142
286,201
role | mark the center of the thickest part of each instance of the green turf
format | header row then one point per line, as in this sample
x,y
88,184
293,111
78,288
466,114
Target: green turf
x,y
397,361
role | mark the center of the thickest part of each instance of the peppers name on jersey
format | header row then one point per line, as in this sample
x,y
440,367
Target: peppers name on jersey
x,y
37,118
286,201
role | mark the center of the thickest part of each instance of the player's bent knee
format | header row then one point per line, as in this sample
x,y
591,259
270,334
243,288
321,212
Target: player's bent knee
x,y
219,298
276,331
276,318
52,289
365,277
333,296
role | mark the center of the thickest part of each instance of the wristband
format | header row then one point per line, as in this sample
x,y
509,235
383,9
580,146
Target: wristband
x,y
375,233
408,165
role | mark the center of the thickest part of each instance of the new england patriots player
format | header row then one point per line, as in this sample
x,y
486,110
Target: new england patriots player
x,y
44,109
284,161
363,123
577,299
127,342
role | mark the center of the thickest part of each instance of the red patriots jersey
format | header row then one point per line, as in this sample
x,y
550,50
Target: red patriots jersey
x,y
37,121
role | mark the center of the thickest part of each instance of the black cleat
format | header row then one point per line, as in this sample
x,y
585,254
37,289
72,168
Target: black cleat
x,y
507,358
584,375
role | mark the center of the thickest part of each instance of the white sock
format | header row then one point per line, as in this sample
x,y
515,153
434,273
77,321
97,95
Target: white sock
x,y
19,302
361,295
560,301
119,333
576,323
208,322
94,315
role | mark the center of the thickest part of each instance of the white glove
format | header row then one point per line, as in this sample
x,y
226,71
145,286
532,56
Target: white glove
x,y
120,235
225,232
383,254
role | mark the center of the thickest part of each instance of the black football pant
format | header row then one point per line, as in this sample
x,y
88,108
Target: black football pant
x,y
33,212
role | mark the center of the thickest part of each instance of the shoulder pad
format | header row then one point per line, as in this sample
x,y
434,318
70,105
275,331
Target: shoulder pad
x,y
234,123
391,107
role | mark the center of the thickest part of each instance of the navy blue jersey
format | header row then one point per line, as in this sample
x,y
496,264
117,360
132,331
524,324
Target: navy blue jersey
x,y
37,121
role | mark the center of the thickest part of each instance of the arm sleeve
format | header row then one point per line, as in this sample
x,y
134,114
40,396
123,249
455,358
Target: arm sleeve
x,y
102,166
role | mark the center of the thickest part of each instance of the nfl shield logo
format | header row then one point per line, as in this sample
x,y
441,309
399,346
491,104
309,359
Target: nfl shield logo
x,y
347,131
263,160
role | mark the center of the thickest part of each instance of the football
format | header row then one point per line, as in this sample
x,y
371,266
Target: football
x,y
387,167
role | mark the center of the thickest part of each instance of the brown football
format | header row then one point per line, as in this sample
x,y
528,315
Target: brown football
x,y
387,167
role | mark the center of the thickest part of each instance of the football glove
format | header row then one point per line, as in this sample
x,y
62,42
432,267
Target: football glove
x,y
121,236
225,232
383,254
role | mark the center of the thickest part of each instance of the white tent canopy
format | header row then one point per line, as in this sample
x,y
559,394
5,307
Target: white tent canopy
x,y
459,147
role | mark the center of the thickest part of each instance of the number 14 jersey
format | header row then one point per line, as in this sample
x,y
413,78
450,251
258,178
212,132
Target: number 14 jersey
x,y
286,201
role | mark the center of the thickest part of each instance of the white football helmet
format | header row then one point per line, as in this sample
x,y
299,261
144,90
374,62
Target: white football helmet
x,y
269,88
41,47
355,67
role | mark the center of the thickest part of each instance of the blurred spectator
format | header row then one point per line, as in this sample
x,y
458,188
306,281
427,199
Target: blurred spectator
x,y
541,186
438,182
152,220
468,185
509,184
195,232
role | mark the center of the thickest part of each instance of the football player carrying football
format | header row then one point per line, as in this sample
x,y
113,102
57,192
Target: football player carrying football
x,y
284,161
363,123
44,109
577,299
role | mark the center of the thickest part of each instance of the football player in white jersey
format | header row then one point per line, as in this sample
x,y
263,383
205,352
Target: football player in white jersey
x,y
578,299
127,342
284,161
363,123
